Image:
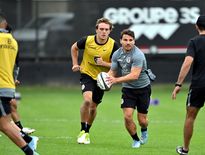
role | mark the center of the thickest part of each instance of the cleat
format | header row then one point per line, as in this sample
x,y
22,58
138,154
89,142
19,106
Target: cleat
x,y
144,137
81,137
28,130
136,144
181,151
33,143
87,138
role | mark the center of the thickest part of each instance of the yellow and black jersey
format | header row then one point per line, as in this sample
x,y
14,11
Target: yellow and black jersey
x,y
8,53
92,50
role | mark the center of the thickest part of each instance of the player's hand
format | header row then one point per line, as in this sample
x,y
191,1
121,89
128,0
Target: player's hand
x,y
99,61
175,92
17,82
111,80
76,68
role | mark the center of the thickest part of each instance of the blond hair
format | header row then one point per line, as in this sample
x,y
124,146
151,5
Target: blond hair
x,y
104,20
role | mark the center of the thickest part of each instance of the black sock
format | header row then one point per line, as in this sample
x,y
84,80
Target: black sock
x,y
87,128
19,124
83,126
26,137
143,129
135,137
27,150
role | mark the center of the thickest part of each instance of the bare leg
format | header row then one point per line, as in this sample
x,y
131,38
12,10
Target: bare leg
x,y
84,109
189,125
143,120
13,133
129,122
14,114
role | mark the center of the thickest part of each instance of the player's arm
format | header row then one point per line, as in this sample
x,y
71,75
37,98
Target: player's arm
x,y
80,44
182,75
133,75
112,73
185,69
16,69
74,56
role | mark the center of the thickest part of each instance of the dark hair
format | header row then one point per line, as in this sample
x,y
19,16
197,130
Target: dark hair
x,y
104,20
127,32
201,22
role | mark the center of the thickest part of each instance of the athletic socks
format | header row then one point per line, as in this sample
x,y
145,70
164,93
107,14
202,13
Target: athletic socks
x,y
19,124
26,137
135,137
27,150
83,126
87,128
143,129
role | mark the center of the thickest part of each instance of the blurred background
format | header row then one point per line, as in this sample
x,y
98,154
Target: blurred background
x,y
46,29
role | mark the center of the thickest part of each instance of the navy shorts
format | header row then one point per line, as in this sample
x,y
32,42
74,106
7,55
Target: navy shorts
x,y
5,106
136,98
89,84
196,97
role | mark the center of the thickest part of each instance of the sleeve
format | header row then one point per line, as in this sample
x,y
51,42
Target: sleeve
x,y
137,60
81,42
115,48
16,68
190,49
114,64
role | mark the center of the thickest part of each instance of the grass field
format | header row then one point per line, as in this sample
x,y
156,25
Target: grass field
x,y
54,113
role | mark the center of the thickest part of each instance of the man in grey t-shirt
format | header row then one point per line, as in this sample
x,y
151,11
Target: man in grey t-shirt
x,y
136,90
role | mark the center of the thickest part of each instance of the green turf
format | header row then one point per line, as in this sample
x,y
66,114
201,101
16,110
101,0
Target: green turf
x,y
54,113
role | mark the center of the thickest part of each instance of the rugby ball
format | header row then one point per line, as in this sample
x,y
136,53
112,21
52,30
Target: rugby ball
x,y
102,81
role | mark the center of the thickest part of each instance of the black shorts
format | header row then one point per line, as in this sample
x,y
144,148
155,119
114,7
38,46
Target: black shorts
x,y
89,84
196,97
136,98
5,106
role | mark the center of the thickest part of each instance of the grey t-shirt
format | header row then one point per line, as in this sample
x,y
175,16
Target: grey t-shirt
x,y
123,61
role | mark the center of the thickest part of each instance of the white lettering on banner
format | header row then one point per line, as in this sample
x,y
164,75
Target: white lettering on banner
x,y
153,21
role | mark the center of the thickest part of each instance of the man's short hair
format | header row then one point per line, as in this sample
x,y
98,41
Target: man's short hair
x,y
201,22
127,32
104,20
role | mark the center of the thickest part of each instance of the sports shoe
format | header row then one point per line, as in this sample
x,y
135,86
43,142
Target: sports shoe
x,y
87,138
33,143
81,137
181,151
136,144
144,137
28,130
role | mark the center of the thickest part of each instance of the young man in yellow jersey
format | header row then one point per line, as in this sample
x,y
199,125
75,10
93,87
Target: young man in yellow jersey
x,y
8,55
97,53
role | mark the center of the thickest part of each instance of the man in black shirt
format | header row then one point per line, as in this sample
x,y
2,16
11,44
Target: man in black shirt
x,y
196,97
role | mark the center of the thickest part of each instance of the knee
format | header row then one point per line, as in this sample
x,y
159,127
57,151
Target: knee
x,y
87,102
13,105
143,122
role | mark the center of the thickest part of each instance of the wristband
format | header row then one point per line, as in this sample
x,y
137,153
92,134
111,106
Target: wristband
x,y
177,84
